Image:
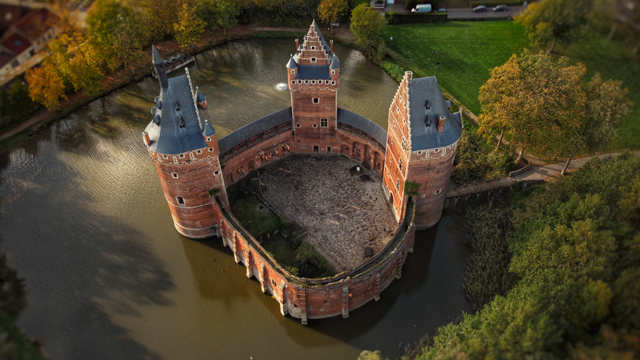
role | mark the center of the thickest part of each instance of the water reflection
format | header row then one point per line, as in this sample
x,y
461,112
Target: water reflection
x,y
84,220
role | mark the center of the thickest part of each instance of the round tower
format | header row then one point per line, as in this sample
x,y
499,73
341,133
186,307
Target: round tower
x,y
185,152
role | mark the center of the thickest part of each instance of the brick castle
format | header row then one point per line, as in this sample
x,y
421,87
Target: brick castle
x,y
195,168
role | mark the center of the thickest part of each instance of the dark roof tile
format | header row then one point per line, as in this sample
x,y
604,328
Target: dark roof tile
x,y
255,128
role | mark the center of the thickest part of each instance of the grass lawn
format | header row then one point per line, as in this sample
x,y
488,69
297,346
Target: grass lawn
x,y
467,51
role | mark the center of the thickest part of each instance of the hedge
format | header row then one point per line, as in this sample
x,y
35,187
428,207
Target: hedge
x,y
496,3
412,18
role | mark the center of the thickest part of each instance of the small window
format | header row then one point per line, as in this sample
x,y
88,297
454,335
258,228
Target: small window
x,y
313,48
333,71
165,157
181,156
333,83
199,152
208,139
400,164
180,200
326,82
216,173
293,82
306,82
313,59
316,100
325,302
293,71
324,123
313,82
315,126
438,192
316,148
175,175
328,149
398,185
297,125
210,149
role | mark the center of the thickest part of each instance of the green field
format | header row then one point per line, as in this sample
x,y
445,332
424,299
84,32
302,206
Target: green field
x,y
467,51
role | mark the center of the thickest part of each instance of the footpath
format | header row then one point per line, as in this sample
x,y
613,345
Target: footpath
x,y
529,174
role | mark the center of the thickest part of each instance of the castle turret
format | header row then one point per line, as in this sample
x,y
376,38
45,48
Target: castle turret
x,y
421,147
185,152
314,79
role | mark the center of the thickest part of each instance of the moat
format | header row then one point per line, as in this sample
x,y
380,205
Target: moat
x,y
83,222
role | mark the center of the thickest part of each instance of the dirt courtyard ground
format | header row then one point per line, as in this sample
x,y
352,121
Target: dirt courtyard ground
x,y
343,213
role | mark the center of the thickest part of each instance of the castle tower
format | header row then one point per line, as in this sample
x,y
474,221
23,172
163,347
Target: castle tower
x,y
314,79
184,149
421,147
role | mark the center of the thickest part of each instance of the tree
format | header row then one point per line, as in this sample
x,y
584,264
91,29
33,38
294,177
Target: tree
x,y
606,104
367,25
555,20
217,14
46,85
330,11
534,100
189,26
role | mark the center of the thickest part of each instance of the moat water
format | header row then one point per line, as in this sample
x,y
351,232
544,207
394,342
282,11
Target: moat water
x,y
83,219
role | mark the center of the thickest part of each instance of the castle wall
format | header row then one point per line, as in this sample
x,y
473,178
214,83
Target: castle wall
x,y
317,298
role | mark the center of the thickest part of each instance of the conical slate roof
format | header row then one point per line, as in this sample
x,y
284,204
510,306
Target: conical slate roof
x,y
292,64
200,97
157,58
335,64
208,130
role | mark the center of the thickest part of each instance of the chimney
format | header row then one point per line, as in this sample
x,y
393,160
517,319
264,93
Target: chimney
x,y
146,138
441,124
297,45
331,42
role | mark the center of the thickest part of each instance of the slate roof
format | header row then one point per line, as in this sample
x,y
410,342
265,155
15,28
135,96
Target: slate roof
x,y
168,137
335,63
313,72
255,128
427,137
292,63
362,123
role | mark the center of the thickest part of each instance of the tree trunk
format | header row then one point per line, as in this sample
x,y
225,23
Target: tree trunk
x,y
553,46
566,166
500,139
520,155
613,30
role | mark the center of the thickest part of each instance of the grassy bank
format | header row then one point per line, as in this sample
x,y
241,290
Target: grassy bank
x,y
467,51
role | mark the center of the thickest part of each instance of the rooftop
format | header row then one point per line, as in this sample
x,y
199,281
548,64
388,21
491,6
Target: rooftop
x,y
426,107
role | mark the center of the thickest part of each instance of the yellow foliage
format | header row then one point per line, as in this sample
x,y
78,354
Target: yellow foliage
x,y
45,85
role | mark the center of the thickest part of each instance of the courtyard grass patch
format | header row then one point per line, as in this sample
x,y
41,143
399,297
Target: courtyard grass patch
x,y
281,238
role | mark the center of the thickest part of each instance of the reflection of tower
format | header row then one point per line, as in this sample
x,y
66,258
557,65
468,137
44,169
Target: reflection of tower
x,y
421,147
185,151
314,79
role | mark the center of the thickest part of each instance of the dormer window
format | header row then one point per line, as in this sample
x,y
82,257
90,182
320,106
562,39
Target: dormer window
x,y
177,104
313,59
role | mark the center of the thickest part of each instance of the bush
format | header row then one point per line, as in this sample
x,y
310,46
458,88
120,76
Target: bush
x,y
412,18
393,69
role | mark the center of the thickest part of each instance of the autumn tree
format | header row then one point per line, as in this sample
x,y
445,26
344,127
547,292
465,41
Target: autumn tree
x,y
189,26
550,21
330,11
534,100
46,85
367,25
606,104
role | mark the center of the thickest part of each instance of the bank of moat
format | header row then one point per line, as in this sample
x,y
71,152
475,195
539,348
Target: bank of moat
x,y
195,170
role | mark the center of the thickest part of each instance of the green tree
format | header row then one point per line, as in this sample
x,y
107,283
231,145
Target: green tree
x,y
189,27
330,11
550,21
367,25
606,104
217,14
533,99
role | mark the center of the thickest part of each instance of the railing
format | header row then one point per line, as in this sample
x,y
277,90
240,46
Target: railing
x,y
255,140
361,133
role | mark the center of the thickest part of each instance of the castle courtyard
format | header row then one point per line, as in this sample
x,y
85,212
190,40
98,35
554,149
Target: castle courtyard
x,y
344,211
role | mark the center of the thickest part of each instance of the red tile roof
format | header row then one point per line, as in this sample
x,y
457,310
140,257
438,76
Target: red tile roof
x,y
16,43
10,14
5,58
34,24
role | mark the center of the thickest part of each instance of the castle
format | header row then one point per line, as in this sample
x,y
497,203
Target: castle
x,y
195,168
